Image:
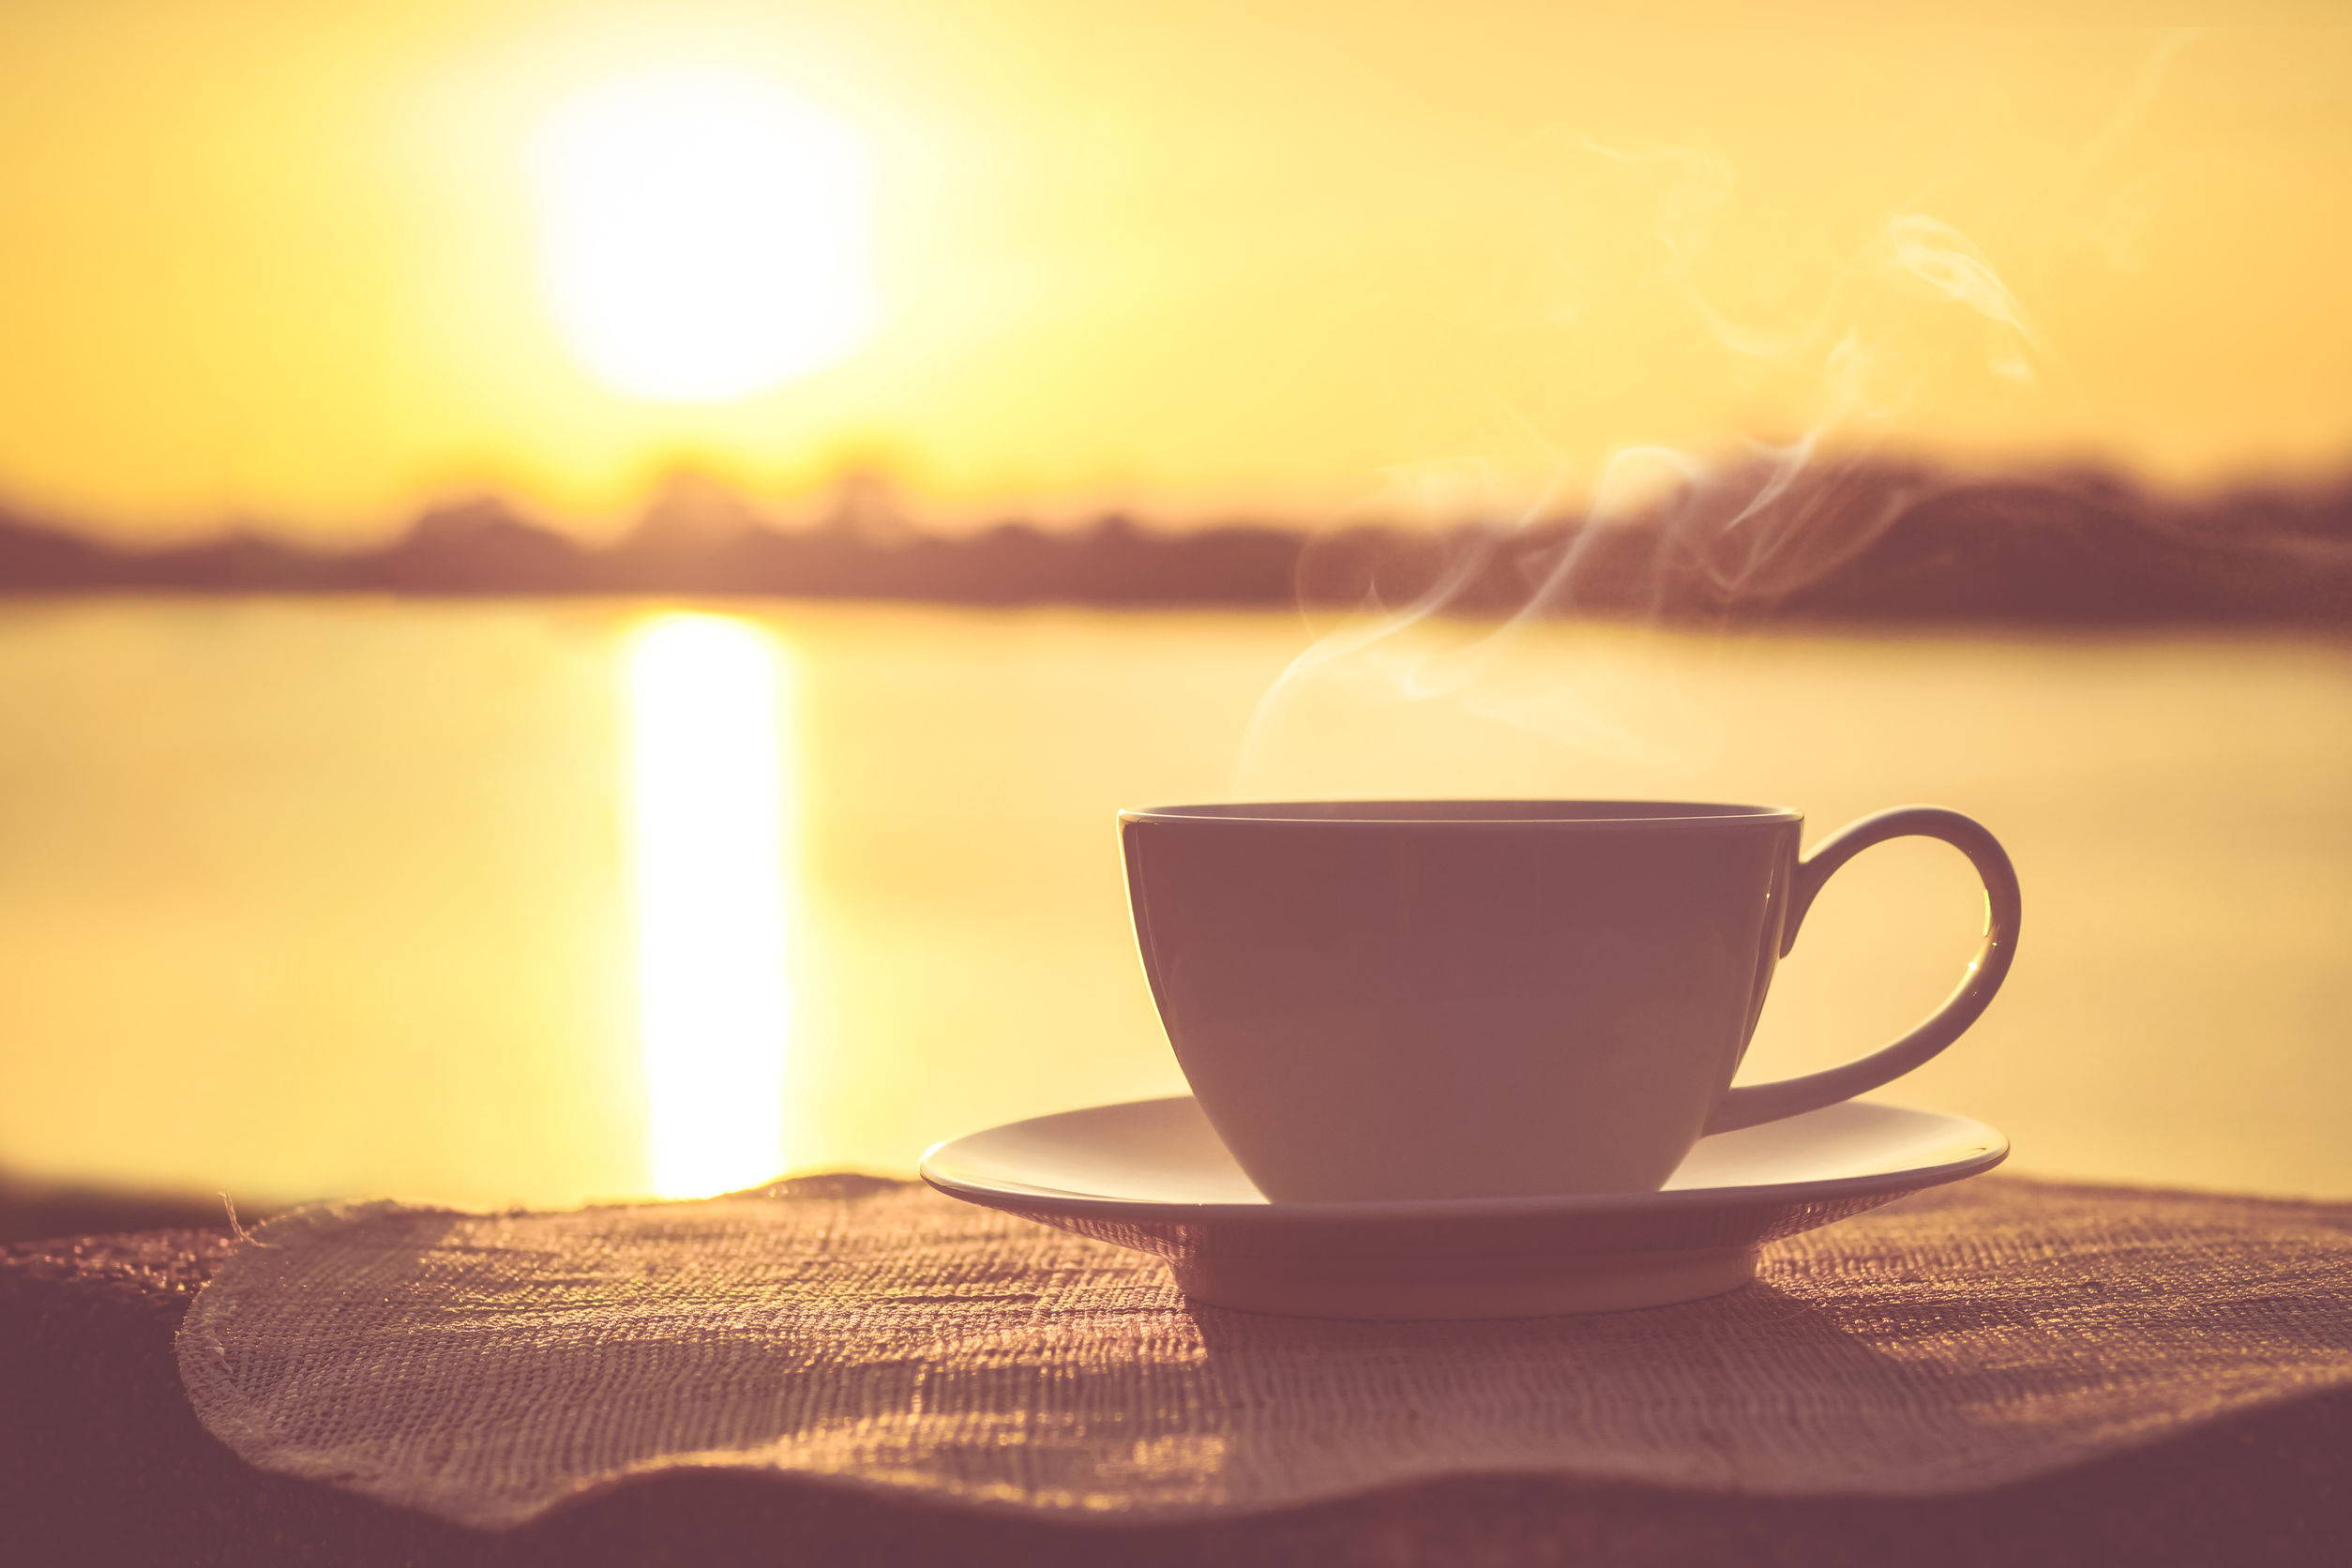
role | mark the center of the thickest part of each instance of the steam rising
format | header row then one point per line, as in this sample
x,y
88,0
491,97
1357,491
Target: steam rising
x,y
1939,256
1664,524
1844,337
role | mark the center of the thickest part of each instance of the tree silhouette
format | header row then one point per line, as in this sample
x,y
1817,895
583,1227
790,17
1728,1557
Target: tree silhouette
x,y
1884,542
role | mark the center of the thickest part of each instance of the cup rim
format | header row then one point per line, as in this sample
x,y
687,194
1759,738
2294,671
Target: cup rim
x,y
1467,813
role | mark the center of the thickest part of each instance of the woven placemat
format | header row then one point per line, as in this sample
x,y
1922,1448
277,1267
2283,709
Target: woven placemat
x,y
486,1367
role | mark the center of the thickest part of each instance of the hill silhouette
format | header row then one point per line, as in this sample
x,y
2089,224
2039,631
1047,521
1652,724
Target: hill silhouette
x,y
1877,541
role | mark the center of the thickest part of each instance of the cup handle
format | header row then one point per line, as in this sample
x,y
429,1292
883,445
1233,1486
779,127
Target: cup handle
x,y
1746,1104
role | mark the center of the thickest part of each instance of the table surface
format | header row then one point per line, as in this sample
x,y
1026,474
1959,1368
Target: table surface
x,y
103,1461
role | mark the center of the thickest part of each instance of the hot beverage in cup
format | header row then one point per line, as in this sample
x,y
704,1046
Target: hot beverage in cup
x,y
1405,1000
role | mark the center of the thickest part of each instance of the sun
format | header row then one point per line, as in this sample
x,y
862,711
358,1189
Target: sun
x,y
703,233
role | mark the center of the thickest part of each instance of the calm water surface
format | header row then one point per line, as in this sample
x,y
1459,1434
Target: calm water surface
x,y
527,902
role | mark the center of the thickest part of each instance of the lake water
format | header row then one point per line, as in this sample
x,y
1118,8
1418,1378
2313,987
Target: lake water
x,y
536,902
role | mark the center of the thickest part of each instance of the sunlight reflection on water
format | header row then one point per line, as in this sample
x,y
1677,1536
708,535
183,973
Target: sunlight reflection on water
x,y
709,837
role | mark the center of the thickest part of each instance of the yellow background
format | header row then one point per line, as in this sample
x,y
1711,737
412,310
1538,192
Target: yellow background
x,y
275,258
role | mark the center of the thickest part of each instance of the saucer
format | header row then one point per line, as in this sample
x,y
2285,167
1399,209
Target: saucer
x,y
1151,1175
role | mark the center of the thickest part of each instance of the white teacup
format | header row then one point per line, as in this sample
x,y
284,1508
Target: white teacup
x,y
1380,999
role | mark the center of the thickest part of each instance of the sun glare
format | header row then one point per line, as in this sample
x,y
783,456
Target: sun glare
x,y
703,233
708,840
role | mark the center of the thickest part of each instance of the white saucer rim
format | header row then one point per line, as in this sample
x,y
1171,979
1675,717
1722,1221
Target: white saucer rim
x,y
1060,1200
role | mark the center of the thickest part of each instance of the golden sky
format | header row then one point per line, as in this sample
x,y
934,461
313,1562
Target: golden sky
x,y
312,263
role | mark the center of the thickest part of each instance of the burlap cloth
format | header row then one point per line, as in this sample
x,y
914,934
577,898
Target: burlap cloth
x,y
486,1367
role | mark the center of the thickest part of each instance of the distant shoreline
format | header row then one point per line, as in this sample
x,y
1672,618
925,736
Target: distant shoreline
x,y
1872,543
